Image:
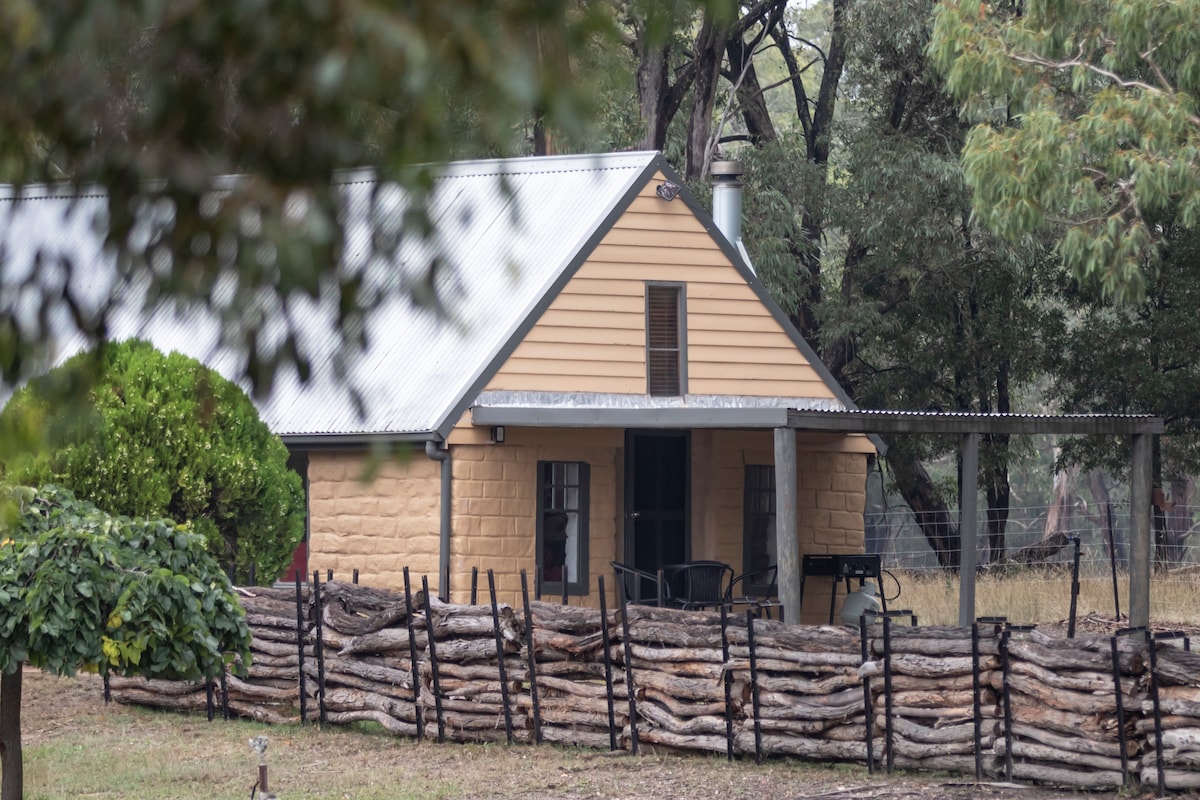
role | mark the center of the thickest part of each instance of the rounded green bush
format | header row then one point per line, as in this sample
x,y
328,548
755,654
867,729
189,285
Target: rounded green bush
x,y
143,434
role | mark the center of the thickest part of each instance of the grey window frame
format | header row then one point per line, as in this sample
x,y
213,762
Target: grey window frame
x,y
750,514
577,585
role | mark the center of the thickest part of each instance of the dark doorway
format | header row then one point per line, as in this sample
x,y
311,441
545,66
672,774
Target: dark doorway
x,y
657,493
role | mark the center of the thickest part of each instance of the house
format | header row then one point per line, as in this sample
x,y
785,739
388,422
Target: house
x,y
611,383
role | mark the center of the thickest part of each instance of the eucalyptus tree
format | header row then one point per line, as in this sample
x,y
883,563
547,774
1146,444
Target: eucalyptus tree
x,y
1087,129
1087,124
859,221
1141,357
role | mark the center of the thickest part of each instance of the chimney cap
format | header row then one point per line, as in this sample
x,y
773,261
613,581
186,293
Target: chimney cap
x,y
729,168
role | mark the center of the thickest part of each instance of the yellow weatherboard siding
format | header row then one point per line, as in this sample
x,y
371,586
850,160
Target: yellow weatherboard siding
x,y
592,336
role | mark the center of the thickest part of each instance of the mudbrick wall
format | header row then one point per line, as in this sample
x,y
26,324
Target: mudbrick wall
x,y
992,700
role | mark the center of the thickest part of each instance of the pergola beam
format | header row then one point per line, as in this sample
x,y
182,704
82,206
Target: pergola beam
x,y
895,422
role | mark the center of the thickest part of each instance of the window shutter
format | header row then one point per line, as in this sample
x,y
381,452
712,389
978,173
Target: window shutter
x,y
662,340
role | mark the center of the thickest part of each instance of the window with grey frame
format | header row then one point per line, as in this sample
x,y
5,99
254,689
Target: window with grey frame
x,y
758,538
666,374
562,527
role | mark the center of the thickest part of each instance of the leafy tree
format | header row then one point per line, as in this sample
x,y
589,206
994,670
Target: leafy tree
x,y
1140,358
868,242
1088,123
154,100
82,589
163,435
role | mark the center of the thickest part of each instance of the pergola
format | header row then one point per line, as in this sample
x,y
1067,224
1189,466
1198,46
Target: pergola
x,y
969,426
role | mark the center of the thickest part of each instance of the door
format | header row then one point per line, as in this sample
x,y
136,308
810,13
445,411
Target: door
x,y
657,494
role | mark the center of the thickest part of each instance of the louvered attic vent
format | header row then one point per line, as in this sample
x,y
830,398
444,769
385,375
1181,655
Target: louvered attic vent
x,y
664,350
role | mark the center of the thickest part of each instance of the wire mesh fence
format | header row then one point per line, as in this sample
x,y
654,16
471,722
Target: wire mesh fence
x,y
1028,540
1028,576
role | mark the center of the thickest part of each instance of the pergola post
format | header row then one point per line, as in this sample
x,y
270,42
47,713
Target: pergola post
x,y
1141,544
787,543
968,525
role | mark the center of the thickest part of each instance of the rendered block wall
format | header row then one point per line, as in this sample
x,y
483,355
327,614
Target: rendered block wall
x,y
378,525
495,507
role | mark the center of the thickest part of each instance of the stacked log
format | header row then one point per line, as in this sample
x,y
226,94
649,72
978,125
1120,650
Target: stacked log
x,y
1172,733
932,698
800,691
676,667
574,705
363,671
1061,722
466,692
266,689
172,695
1010,703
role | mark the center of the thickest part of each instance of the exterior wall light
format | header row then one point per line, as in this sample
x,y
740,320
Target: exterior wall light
x,y
498,434
668,190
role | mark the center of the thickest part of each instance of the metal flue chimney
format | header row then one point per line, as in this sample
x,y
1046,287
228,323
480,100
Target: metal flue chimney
x,y
727,201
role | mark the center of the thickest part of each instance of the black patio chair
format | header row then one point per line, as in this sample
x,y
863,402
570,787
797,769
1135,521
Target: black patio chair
x,y
699,584
640,587
756,589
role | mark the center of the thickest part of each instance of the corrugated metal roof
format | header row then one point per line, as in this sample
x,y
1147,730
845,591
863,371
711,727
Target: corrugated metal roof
x,y
505,232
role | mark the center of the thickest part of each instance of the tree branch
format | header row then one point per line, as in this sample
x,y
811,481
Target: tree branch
x,y
1124,83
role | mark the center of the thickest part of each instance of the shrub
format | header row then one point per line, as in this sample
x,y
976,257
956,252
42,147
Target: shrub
x,y
156,435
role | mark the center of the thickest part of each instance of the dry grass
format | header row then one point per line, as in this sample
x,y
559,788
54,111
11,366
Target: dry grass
x,y
1042,596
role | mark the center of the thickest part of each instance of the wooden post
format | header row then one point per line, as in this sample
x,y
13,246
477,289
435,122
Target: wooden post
x,y
413,660
727,681
1141,543
787,542
300,631
508,725
755,702
431,652
531,659
319,646
968,528
606,643
630,689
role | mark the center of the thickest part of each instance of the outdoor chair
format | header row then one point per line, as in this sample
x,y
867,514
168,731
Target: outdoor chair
x,y
640,587
756,589
699,584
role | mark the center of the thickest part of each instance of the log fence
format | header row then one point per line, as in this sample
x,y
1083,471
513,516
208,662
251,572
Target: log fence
x,y
992,700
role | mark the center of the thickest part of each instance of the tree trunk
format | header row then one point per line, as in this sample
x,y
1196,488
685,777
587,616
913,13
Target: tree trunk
x,y
1103,502
815,120
13,782
549,39
1177,522
750,98
928,507
710,49
1058,521
998,489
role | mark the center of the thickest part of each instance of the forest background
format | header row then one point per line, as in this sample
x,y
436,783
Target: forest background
x,y
870,197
